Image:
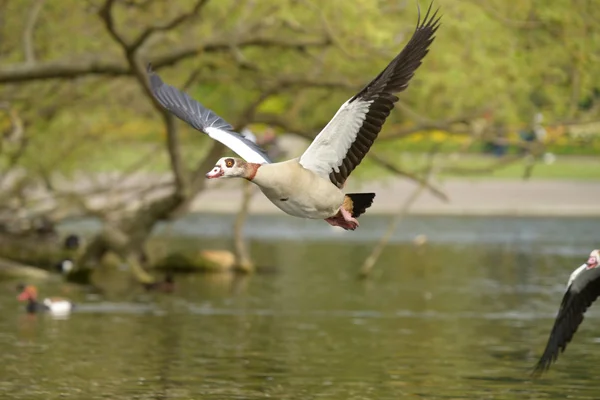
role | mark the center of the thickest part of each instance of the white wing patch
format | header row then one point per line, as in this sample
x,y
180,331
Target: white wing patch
x,y
236,144
329,148
575,274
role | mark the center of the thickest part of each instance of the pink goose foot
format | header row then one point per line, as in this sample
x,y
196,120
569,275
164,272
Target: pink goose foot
x,y
343,219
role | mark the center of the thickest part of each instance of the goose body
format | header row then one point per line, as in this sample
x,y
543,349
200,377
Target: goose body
x,y
583,288
311,186
321,202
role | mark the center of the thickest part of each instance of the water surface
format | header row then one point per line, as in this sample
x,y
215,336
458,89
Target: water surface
x,y
454,319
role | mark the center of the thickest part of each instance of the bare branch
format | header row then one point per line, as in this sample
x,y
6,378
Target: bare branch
x,y
425,124
177,166
145,35
180,173
69,69
494,14
191,78
16,130
32,18
225,44
382,162
143,4
107,16
64,69
370,261
243,262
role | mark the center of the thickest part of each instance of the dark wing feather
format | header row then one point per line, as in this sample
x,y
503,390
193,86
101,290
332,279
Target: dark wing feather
x,y
584,290
203,119
393,79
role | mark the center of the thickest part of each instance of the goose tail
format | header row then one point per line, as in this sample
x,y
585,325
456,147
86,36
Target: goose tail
x,y
357,203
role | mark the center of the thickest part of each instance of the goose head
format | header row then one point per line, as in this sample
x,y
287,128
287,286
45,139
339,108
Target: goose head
x,y
229,167
594,259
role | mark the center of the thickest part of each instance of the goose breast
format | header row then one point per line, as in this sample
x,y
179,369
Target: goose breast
x,y
297,191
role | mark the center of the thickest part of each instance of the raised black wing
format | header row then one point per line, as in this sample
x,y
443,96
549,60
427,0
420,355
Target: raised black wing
x,y
580,295
347,138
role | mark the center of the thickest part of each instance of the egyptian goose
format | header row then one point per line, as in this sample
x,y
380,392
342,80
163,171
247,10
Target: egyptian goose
x,y
55,306
310,186
582,290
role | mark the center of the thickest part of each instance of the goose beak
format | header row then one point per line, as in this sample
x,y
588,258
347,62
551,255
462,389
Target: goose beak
x,y
23,296
216,172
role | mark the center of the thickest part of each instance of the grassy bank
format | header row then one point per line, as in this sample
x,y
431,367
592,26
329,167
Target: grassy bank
x,y
151,157
562,167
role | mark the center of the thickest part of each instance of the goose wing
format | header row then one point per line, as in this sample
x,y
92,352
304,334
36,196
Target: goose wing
x,y
344,142
581,293
204,120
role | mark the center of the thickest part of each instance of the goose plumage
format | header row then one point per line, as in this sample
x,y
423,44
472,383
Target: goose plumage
x,y
583,288
311,186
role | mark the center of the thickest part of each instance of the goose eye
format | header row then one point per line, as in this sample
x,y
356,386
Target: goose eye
x,y
229,163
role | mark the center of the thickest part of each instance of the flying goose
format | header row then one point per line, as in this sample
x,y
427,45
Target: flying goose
x,y
55,306
311,186
582,290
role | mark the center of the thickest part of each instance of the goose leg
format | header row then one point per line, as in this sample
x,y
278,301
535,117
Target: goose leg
x,y
343,219
352,222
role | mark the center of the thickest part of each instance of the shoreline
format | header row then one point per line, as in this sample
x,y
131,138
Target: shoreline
x,y
534,198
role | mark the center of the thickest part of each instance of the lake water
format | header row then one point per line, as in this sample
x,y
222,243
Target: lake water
x,y
463,317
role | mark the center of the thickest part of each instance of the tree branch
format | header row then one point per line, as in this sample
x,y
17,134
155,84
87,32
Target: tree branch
x,y
15,135
425,124
32,18
177,166
16,123
107,16
243,261
70,69
424,182
511,23
370,261
145,35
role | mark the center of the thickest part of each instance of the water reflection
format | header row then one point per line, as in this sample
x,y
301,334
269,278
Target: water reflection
x,y
440,321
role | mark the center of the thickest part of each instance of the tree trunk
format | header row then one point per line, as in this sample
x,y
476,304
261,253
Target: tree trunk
x,y
243,262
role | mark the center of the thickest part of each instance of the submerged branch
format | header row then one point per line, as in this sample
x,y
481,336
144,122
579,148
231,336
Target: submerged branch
x,y
371,260
243,262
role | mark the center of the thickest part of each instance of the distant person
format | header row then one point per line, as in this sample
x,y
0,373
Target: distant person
x,y
498,144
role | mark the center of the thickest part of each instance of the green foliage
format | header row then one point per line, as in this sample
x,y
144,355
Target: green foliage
x,y
516,58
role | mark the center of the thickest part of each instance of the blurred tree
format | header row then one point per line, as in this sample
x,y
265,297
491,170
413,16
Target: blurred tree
x,y
76,82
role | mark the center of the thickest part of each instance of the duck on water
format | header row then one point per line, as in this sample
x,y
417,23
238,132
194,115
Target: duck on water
x,y
53,305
